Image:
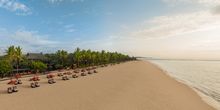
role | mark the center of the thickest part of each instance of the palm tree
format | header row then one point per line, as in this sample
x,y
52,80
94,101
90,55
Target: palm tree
x,y
18,56
77,56
93,58
88,56
11,53
14,54
62,56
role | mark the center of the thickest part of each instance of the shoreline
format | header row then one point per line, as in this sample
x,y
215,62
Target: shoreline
x,y
207,99
126,86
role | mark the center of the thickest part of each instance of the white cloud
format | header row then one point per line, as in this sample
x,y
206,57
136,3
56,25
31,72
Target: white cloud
x,y
58,1
166,26
15,6
180,23
70,28
31,38
182,33
193,1
68,15
30,41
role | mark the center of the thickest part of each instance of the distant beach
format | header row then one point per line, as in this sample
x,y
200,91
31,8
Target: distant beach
x,y
135,85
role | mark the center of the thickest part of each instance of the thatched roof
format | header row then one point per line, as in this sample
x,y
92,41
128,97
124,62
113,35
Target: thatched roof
x,y
36,56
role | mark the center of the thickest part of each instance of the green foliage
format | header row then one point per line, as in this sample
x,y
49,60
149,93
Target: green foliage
x,y
87,57
58,66
25,63
62,56
52,61
14,55
38,66
5,67
83,58
77,56
60,59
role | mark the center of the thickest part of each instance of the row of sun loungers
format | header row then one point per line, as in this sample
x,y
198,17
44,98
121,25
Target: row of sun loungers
x,y
64,76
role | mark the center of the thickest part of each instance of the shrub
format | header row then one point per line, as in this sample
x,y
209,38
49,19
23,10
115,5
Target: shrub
x,y
38,66
5,67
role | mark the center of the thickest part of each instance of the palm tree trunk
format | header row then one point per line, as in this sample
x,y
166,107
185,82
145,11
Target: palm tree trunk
x,y
17,66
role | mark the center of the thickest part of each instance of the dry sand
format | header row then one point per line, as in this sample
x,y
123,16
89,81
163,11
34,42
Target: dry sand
x,y
133,85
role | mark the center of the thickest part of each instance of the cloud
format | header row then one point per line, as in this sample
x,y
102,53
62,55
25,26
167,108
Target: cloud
x,y
68,15
173,33
216,10
179,24
31,38
15,6
70,28
203,2
30,41
58,1
172,25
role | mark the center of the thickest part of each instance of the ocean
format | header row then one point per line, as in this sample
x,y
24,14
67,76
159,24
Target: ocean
x,y
201,76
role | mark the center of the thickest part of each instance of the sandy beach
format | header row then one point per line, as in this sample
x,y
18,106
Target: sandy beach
x,y
135,85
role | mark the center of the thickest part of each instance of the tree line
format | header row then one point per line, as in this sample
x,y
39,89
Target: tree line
x,y
61,59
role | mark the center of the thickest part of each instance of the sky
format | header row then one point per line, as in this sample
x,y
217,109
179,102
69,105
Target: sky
x,y
149,28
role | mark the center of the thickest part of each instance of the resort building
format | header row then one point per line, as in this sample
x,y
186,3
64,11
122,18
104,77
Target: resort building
x,y
36,57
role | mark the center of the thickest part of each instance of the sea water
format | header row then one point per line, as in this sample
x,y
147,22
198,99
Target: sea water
x,y
202,76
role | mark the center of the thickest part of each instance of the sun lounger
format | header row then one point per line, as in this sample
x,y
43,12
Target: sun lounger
x,y
12,89
83,74
65,78
35,84
75,76
51,81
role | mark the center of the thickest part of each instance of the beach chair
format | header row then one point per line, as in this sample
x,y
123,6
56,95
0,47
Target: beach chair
x,y
65,78
83,70
19,81
60,74
94,67
35,84
83,74
89,72
10,90
51,81
76,71
88,69
68,73
13,88
75,76
95,71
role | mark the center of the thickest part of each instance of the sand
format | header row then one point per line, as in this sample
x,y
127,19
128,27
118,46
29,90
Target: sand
x,y
135,85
